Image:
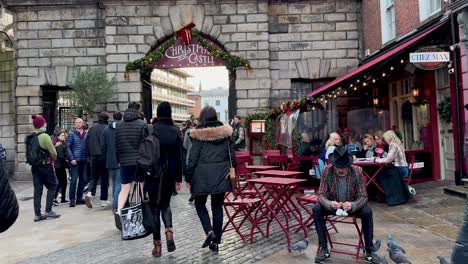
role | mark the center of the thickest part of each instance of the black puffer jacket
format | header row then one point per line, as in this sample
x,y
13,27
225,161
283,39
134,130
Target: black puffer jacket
x,y
95,138
129,134
208,164
170,150
9,208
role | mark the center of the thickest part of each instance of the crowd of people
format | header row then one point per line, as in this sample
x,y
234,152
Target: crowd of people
x,y
199,150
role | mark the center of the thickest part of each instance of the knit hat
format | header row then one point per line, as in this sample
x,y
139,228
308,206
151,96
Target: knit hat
x,y
38,121
164,110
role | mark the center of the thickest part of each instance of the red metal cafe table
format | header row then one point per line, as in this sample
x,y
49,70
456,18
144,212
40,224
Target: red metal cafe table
x,y
371,179
278,195
279,173
254,168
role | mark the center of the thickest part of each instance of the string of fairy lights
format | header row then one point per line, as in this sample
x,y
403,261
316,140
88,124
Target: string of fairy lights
x,y
359,83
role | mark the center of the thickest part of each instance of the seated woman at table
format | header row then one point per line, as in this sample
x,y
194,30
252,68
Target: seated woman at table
x,y
381,147
391,177
332,143
368,147
307,150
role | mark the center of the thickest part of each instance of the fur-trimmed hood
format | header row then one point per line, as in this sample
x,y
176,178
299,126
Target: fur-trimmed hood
x,y
211,133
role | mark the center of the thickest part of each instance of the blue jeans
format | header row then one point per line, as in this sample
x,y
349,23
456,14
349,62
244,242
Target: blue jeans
x,y
404,171
78,175
116,181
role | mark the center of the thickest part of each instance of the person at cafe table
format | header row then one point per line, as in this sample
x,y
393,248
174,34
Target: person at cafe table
x,y
343,186
368,147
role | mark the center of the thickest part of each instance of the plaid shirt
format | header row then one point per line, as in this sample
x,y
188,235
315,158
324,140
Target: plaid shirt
x,y
355,188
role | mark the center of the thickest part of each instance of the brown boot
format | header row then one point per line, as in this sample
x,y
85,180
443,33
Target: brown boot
x,y
157,248
170,241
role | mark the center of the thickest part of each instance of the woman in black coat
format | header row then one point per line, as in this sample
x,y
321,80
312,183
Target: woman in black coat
x,y
9,208
160,189
61,164
207,171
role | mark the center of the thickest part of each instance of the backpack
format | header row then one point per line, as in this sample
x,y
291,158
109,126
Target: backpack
x,y
149,157
35,155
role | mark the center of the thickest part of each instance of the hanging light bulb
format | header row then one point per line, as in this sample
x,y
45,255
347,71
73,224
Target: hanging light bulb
x,y
334,96
313,108
376,101
357,81
355,88
351,85
383,74
345,92
373,80
402,61
364,84
391,68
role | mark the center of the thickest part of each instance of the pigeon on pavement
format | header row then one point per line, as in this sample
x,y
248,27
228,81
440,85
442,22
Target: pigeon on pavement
x,y
398,256
300,246
442,260
377,245
393,244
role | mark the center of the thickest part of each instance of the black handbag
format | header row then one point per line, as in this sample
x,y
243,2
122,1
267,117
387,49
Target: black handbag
x,y
132,217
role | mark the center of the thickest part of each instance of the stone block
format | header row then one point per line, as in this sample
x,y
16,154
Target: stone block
x,y
26,35
231,46
122,97
323,27
298,8
135,97
22,26
21,62
226,9
111,67
252,45
335,17
257,18
344,63
262,54
116,21
239,37
352,53
334,36
95,33
27,71
151,21
136,21
85,23
312,54
223,38
263,45
22,44
62,43
228,28
262,27
133,57
126,48
289,19
278,28
215,31
26,16
136,39
311,18
117,58
323,8
22,101
161,11
303,45
220,20
247,8
74,33
342,26
312,36
117,39
288,37
96,51
339,53
299,28
207,24
145,30
50,34
24,53
257,36
351,16
143,48
133,30
352,35
289,55
42,43
85,42
241,94
126,11
62,24
65,61
51,52
72,52
347,44
237,19
346,6
129,87
36,25
29,110
167,26
318,45
248,103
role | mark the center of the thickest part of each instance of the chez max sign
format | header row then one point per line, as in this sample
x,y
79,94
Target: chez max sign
x,y
182,55
429,58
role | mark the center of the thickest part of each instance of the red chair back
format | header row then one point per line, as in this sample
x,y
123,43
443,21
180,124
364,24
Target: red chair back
x,y
241,168
280,160
242,153
411,161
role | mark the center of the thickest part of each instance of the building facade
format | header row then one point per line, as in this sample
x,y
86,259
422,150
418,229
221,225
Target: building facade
x,y
171,86
218,99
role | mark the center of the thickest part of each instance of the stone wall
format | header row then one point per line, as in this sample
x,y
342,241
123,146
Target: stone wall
x,y
7,107
309,39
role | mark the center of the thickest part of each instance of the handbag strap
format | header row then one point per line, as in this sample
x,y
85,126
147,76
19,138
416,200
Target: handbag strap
x,y
229,151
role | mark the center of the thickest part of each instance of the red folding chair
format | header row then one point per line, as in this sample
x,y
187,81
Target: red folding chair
x,y
411,162
280,160
244,207
305,201
242,153
351,220
267,152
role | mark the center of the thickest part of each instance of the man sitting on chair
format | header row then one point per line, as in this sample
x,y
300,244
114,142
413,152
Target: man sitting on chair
x,y
343,186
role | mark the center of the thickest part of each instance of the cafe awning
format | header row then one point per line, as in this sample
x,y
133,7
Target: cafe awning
x,y
377,60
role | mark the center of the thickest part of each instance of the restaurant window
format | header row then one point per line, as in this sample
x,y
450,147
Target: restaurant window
x,y
218,103
219,116
387,15
427,8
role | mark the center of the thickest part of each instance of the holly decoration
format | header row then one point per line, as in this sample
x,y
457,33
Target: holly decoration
x,y
184,33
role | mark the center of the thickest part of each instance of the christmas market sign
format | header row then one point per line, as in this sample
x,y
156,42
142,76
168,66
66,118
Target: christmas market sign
x,y
429,58
190,54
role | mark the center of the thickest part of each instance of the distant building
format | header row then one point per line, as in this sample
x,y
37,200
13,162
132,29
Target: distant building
x,y
171,86
216,98
196,109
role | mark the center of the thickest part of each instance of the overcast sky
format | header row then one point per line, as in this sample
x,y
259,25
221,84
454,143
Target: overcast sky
x,y
210,77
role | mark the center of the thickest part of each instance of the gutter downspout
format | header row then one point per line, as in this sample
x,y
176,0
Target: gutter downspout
x,y
456,55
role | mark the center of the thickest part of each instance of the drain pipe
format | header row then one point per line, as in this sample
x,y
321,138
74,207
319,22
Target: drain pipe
x,y
458,109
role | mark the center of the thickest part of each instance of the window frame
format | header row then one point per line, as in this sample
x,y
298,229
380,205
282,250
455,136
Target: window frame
x,y
388,20
425,9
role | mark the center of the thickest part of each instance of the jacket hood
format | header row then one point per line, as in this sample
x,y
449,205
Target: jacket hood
x,y
114,124
211,133
131,114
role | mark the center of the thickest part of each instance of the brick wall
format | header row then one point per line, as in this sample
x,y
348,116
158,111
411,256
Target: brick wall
x,y
372,37
197,108
407,16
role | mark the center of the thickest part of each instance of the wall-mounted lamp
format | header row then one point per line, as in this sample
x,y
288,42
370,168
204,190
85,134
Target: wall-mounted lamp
x,y
415,92
375,101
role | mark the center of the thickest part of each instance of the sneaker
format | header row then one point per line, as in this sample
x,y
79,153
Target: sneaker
x,y
192,198
55,203
72,204
105,203
38,218
371,257
80,202
51,214
118,223
322,255
88,200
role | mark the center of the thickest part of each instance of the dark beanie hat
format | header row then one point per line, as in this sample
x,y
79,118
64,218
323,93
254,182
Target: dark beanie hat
x,y
164,110
103,116
38,121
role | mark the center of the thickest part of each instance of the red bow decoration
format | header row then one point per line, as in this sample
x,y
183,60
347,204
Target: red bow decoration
x,y
184,33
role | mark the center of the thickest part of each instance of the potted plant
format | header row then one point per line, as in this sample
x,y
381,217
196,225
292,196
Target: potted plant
x,y
444,108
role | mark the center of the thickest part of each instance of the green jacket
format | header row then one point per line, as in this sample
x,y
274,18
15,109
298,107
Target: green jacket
x,y
46,143
238,137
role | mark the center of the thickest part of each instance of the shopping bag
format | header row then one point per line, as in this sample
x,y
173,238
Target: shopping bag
x,y
132,217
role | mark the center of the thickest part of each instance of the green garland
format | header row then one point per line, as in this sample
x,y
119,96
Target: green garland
x,y
144,64
268,138
297,143
445,110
